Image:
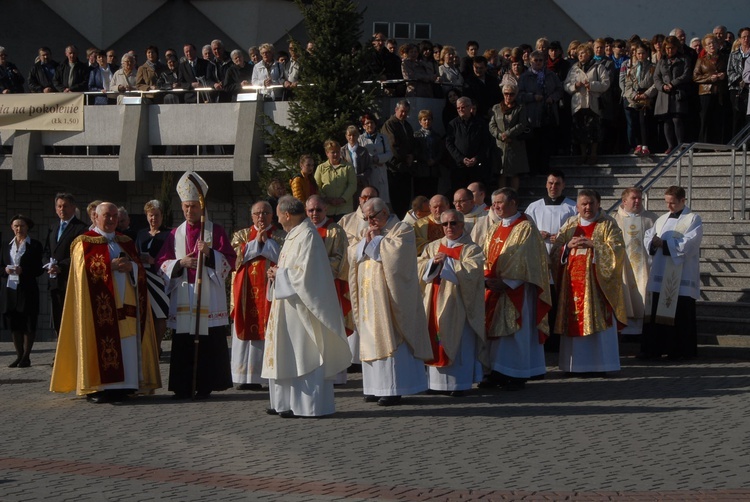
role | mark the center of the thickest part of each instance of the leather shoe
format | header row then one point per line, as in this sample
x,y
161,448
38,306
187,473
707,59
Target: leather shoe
x,y
457,393
15,363
287,414
389,401
271,411
202,395
24,363
100,397
249,386
371,399
180,395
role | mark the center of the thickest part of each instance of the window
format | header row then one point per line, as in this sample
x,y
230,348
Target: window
x,y
401,30
422,31
383,28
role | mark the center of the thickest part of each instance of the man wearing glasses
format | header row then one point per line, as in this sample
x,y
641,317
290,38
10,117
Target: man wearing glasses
x,y
385,295
517,296
257,251
451,271
463,201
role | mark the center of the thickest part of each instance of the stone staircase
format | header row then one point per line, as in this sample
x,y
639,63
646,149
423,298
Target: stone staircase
x,y
724,307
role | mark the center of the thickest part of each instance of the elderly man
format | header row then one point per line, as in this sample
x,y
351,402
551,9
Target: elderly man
x,y
468,142
107,347
195,72
403,144
178,262
305,341
257,251
394,342
674,281
463,201
428,229
71,75
451,273
517,296
634,221
353,223
587,261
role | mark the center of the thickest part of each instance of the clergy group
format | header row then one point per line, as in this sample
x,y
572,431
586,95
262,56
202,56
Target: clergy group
x,y
438,302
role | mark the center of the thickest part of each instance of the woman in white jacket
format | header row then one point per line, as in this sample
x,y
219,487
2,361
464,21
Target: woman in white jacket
x,y
380,152
586,82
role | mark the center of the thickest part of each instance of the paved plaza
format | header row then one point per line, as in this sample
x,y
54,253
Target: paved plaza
x,y
668,431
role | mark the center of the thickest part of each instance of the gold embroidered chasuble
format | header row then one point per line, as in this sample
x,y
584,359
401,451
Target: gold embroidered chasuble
x,y
600,291
459,303
336,243
385,295
94,321
522,256
427,230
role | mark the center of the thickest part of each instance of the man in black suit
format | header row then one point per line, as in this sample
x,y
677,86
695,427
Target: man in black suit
x,y
195,72
57,251
483,88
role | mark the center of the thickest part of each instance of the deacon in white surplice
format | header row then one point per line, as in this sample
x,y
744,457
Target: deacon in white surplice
x,y
305,340
634,221
451,273
674,243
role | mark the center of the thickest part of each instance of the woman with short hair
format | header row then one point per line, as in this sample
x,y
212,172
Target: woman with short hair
x,y
672,80
710,73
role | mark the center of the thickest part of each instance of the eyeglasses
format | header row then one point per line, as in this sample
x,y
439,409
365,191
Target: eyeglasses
x,y
373,217
450,223
262,213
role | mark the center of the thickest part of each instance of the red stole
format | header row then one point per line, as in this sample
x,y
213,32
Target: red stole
x,y
577,273
342,287
439,357
98,272
497,242
251,308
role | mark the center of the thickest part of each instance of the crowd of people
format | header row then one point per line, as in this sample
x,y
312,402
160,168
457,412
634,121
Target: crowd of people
x,y
435,301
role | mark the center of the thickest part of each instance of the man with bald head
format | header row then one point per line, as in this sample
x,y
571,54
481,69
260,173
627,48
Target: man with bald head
x,y
352,223
107,347
257,251
394,342
428,229
463,201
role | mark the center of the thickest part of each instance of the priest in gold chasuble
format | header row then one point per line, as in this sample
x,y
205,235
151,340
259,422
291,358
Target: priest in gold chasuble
x,y
587,260
517,296
428,229
257,250
107,346
386,301
451,277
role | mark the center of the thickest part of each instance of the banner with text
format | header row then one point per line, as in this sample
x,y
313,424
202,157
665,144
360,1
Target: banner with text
x,y
42,112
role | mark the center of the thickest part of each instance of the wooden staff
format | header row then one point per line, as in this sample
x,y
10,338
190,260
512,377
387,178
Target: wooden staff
x,y
198,283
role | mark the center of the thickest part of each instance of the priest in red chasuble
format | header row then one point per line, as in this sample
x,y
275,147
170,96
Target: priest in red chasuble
x,y
451,276
107,347
587,260
517,295
257,250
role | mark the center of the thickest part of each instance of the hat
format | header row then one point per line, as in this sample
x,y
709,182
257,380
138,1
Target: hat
x,y
186,188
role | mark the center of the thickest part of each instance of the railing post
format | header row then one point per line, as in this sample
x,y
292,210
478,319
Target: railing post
x,y
732,174
679,172
744,179
690,175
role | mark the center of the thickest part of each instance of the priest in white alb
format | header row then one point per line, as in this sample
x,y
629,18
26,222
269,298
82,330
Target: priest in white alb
x,y
305,340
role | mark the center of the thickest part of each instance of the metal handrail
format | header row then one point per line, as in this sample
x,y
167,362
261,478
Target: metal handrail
x,y
739,142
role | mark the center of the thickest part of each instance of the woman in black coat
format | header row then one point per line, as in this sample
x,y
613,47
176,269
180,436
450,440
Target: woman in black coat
x,y
21,264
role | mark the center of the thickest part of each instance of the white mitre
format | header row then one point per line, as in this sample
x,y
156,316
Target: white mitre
x,y
187,190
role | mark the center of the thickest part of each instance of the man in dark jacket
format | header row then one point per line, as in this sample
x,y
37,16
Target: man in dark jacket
x,y
468,142
72,75
483,88
42,74
401,167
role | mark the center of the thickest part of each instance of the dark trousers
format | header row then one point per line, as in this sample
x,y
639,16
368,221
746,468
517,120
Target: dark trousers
x,y
678,341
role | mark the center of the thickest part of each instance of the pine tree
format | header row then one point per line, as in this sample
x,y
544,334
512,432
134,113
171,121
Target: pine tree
x,y
332,95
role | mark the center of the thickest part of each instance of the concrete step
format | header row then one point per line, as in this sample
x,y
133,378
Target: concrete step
x,y
725,294
725,265
723,239
724,251
721,326
738,311
731,280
